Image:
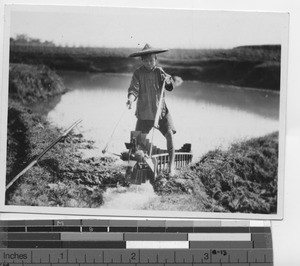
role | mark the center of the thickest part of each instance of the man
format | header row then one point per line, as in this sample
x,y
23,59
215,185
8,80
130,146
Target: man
x,y
146,86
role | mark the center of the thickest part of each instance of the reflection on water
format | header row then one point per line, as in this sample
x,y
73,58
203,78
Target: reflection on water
x,y
207,115
261,102
43,108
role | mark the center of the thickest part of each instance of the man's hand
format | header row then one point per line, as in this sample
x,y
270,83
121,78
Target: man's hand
x,y
168,79
129,104
130,101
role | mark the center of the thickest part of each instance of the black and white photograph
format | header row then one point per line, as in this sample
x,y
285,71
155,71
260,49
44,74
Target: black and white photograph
x,y
143,111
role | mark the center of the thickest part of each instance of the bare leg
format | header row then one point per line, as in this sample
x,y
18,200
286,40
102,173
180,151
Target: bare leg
x,y
170,147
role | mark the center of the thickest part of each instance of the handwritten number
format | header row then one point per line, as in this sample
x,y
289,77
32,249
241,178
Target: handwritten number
x,y
221,252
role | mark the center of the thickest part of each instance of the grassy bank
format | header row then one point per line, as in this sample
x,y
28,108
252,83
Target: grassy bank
x,y
29,84
242,179
62,177
248,66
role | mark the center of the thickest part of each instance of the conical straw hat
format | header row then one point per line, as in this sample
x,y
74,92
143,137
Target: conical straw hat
x,y
148,50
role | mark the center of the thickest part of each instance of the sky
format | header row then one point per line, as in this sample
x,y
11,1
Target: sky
x,y
133,27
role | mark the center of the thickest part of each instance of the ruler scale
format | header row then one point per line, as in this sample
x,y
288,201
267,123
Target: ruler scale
x,y
135,242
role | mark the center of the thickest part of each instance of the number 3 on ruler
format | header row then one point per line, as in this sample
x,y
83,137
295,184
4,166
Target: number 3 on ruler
x,y
206,256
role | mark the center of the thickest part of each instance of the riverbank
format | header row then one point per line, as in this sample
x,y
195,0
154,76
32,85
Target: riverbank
x,y
245,66
62,177
242,179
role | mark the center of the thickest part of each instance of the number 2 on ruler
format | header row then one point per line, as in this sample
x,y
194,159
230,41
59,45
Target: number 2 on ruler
x,y
133,256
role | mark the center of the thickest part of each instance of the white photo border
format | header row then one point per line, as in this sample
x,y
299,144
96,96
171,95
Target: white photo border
x,y
127,213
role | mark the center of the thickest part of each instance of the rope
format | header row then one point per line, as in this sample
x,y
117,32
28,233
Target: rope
x,y
112,134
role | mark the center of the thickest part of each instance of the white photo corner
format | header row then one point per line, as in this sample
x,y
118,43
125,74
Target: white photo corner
x,y
71,145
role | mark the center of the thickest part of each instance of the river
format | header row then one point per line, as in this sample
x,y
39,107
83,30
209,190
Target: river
x,y
206,115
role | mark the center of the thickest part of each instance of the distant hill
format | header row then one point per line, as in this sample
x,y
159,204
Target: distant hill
x,y
256,66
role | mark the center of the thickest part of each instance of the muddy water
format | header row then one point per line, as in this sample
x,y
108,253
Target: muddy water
x,y
206,115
